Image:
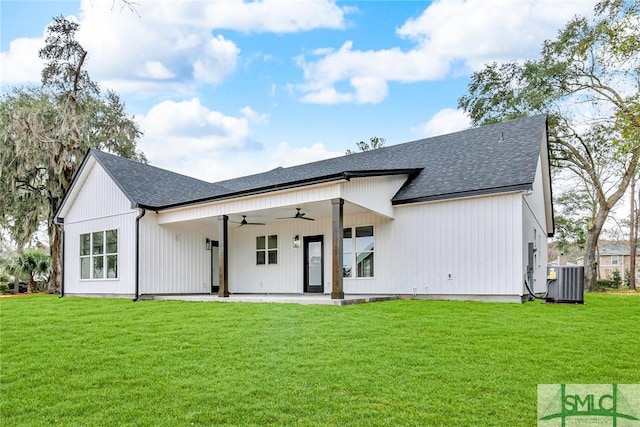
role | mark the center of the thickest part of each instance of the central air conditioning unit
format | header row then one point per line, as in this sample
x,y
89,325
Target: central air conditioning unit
x,y
566,284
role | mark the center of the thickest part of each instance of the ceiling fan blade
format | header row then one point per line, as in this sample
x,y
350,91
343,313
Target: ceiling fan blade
x,y
298,215
245,222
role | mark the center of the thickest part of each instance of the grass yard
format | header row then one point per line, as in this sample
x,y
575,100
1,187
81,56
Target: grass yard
x,y
75,361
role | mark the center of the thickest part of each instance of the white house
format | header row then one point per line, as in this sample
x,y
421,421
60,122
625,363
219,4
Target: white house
x,y
446,217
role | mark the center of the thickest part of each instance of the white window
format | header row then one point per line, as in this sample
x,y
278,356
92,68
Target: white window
x,y
267,249
357,251
614,260
99,255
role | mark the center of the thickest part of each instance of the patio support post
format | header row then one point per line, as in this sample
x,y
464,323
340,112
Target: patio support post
x,y
337,206
223,255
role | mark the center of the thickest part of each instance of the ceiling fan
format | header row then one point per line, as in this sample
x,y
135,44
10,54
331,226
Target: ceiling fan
x,y
298,215
245,222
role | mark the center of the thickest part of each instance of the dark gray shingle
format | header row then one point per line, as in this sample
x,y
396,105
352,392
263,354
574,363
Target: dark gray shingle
x,y
150,186
486,159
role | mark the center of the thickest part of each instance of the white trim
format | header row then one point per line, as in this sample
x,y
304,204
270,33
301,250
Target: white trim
x,y
95,218
76,187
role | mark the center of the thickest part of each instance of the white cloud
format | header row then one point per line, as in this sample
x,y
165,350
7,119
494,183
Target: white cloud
x,y
165,44
450,37
366,71
327,95
175,130
219,60
249,113
177,42
285,155
189,138
162,89
21,64
168,41
219,166
480,31
275,16
444,121
155,70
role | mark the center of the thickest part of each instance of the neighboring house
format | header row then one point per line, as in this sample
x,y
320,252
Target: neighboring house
x,y
561,260
614,257
443,217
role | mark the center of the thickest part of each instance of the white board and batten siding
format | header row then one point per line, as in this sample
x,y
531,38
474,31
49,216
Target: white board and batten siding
x,y
173,257
100,206
467,246
373,193
534,230
287,276
188,269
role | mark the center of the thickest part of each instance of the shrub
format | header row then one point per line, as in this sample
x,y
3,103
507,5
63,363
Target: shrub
x,y
616,279
30,264
604,284
627,278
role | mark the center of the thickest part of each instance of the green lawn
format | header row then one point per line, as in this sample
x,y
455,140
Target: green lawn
x,y
75,361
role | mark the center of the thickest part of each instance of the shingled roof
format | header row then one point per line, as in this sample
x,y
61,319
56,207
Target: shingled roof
x,y
489,159
149,186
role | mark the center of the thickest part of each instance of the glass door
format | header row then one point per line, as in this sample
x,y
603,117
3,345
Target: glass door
x,y
313,264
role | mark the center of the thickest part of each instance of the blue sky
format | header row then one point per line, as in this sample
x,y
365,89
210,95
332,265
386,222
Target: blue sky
x,y
226,88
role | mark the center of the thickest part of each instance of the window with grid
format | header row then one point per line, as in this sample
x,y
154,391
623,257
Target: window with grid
x,y
99,255
358,251
267,249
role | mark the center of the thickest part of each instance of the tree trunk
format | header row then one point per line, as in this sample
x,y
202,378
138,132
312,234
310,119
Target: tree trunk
x,y
590,260
16,284
32,286
55,239
603,209
633,237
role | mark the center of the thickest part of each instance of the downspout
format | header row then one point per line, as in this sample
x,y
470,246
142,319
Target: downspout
x,y
61,228
138,218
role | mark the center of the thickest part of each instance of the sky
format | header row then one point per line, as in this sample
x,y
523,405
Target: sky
x,y
227,88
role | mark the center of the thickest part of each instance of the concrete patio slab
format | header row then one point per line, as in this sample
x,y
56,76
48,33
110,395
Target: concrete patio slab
x,y
307,299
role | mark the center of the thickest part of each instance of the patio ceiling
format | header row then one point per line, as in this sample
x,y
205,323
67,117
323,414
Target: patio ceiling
x,y
314,210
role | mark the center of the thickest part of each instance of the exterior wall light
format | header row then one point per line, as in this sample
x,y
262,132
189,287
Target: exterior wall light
x,y
207,244
296,241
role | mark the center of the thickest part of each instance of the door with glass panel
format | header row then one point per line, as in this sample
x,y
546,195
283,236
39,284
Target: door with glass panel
x,y
215,276
313,264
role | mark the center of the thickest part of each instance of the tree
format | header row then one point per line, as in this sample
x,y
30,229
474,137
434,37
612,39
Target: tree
x,y
29,264
573,207
373,144
45,132
616,279
587,81
633,236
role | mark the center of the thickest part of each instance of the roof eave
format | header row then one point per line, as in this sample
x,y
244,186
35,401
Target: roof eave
x,y
460,194
341,176
60,211
250,192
